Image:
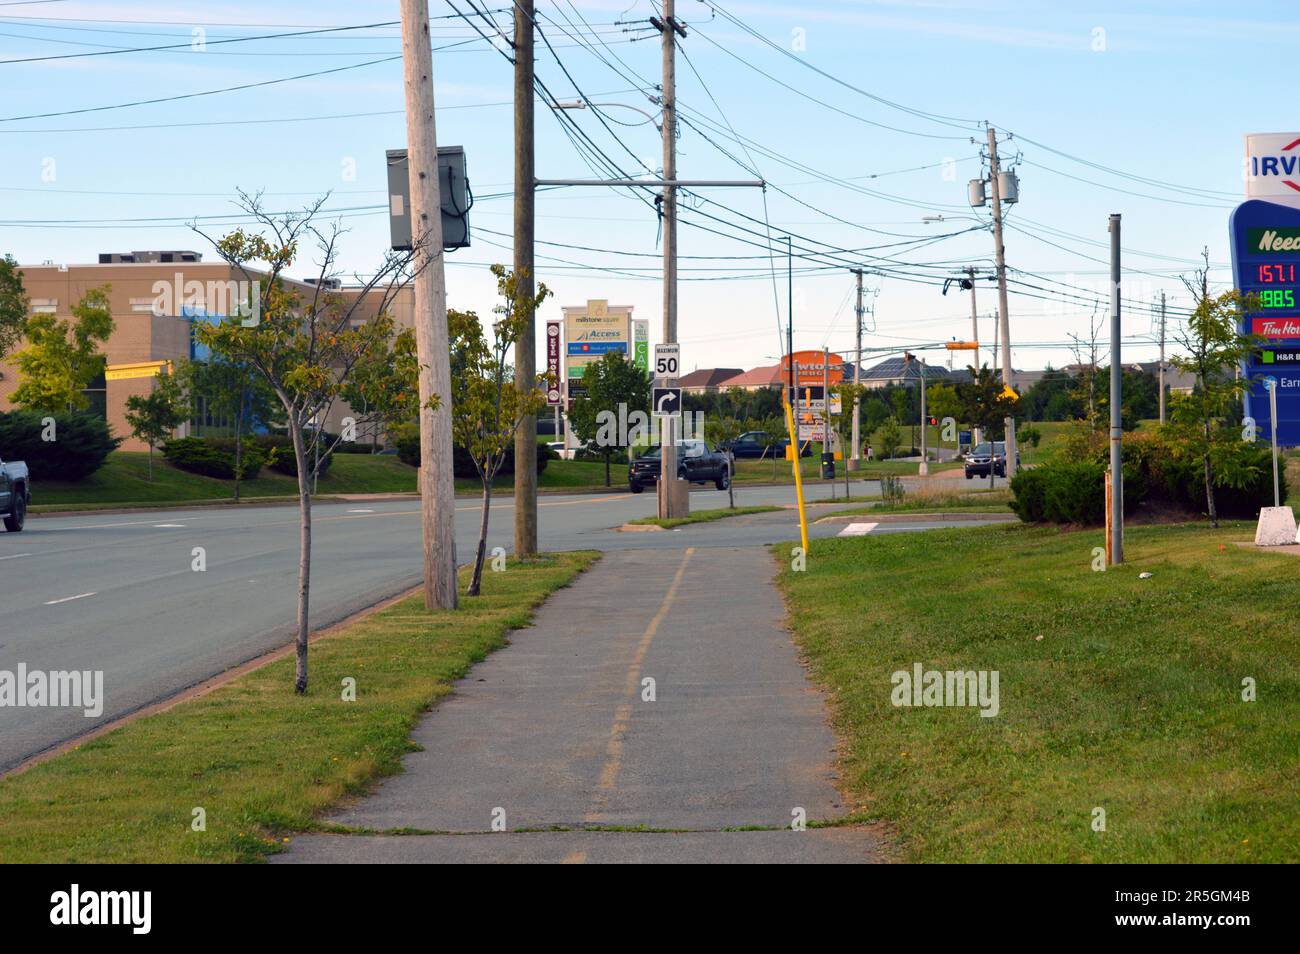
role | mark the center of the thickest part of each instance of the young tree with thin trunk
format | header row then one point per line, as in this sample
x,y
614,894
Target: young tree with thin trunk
x,y
849,395
305,344
487,406
1215,349
722,431
154,416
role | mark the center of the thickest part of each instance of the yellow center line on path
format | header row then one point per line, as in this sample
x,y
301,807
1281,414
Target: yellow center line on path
x,y
623,715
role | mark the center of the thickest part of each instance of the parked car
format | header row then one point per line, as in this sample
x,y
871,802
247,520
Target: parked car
x,y
752,444
984,455
15,494
697,462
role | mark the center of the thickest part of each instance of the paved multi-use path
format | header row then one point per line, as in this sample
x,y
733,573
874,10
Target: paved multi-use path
x,y
557,731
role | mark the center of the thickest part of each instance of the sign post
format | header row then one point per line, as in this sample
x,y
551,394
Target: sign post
x,y
1271,384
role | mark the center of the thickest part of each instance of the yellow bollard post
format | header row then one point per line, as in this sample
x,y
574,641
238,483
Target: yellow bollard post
x,y
798,478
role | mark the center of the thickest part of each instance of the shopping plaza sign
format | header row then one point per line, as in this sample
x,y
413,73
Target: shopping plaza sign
x,y
1265,235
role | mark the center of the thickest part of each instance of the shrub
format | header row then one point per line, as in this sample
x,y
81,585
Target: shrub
x,y
1159,468
277,451
1030,435
251,457
1029,488
82,443
1075,493
197,456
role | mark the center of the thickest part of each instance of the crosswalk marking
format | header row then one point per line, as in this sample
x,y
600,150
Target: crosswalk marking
x,y
857,529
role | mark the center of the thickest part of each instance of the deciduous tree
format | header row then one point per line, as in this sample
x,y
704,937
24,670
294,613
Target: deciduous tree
x,y
487,406
154,416
62,358
305,344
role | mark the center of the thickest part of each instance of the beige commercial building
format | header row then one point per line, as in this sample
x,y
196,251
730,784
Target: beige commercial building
x,y
156,298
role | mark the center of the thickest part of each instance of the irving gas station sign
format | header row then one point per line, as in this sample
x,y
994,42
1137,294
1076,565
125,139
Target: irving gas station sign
x,y
1265,235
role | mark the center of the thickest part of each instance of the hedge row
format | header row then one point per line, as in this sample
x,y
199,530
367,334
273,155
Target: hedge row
x,y
1157,471
64,446
215,456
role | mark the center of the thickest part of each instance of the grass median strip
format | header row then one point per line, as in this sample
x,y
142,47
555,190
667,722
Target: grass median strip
x,y
701,516
260,761
1115,693
987,501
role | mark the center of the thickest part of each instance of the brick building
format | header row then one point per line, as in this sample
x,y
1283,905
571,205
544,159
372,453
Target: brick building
x,y
156,299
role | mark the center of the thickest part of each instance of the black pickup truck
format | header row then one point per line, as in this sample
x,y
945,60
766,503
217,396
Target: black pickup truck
x,y
696,461
15,493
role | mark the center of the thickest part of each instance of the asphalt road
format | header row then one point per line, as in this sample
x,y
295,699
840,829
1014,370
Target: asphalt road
x,y
119,593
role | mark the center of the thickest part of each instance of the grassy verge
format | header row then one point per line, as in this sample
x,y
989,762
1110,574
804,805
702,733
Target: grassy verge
x,y
261,761
750,471
123,482
702,516
1115,692
980,501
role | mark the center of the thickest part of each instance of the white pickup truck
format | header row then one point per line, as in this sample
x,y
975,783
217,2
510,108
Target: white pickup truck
x,y
15,493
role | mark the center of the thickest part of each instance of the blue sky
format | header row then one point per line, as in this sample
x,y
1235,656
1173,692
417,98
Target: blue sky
x,y
1158,90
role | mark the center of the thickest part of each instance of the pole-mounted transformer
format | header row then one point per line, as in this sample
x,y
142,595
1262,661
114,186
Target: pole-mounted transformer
x,y
457,198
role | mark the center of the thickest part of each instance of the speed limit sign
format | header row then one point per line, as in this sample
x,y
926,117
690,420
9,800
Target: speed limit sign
x,y
668,359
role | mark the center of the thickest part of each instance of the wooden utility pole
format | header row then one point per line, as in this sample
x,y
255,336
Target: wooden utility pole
x,y
526,346
669,29
1162,358
977,436
437,490
853,461
1008,376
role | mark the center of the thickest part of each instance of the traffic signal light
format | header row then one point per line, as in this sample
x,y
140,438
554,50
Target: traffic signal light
x,y
933,420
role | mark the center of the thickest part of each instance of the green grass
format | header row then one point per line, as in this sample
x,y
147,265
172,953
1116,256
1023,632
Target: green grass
x,y
980,501
750,471
262,761
124,482
702,516
1130,701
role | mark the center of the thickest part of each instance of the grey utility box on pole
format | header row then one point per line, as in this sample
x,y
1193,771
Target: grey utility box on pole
x,y
456,198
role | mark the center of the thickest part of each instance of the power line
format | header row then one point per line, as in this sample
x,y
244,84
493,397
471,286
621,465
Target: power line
x,y
190,45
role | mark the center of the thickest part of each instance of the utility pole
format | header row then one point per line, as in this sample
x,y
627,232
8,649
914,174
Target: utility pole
x,y
1008,377
924,468
852,463
975,337
526,345
828,443
789,313
437,490
669,30
1162,357
1116,420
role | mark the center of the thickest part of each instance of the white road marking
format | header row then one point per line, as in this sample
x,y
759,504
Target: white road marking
x,y
67,599
14,556
360,511
857,529
167,526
